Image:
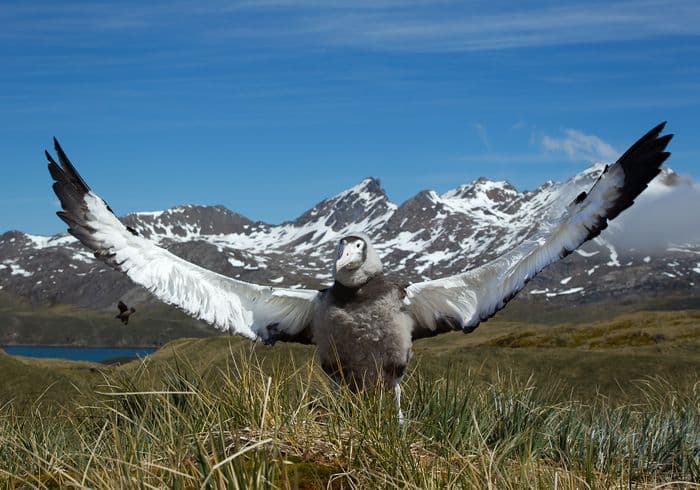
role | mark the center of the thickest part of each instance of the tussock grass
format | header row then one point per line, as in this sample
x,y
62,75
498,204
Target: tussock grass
x,y
276,422
631,330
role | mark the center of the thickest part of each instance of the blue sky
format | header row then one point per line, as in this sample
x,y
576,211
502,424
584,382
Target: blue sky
x,y
269,106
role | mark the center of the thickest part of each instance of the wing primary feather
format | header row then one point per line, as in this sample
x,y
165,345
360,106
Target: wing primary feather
x,y
68,167
641,163
650,135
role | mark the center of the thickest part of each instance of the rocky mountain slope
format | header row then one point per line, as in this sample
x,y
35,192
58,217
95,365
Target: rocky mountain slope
x,y
428,236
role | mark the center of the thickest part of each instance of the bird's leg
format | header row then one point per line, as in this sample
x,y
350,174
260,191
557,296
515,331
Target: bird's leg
x,y
397,395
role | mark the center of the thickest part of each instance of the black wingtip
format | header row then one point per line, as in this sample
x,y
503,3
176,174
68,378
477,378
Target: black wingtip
x,y
57,147
663,141
654,132
49,158
657,132
59,151
67,166
641,163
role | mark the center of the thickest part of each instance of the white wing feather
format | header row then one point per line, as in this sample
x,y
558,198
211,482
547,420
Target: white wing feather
x,y
229,305
464,300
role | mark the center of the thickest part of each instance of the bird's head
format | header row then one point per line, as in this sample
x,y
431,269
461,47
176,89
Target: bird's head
x,y
356,261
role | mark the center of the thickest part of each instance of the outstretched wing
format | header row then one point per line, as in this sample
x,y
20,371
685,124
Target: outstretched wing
x,y
122,307
241,308
464,300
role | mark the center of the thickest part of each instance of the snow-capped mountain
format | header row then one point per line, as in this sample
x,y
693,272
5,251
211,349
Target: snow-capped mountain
x,y
428,236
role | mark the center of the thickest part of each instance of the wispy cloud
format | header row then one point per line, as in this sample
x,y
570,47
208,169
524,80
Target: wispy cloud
x,y
460,27
483,135
384,25
577,145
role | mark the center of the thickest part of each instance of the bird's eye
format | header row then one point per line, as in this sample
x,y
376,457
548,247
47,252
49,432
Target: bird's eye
x,y
359,244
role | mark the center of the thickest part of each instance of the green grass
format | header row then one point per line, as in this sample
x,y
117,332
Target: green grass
x,y
505,407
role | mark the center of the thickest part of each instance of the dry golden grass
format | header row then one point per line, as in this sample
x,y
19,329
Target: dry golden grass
x,y
218,413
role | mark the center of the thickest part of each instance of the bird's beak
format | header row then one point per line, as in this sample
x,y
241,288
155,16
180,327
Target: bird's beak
x,y
349,259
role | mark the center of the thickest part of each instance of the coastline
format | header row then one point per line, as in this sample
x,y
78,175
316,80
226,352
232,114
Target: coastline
x,y
101,355
82,346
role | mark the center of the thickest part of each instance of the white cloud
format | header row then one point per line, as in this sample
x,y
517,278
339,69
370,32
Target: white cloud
x,y
660,217
578,145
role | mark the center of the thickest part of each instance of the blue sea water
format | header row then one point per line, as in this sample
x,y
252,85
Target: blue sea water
x,y
94,354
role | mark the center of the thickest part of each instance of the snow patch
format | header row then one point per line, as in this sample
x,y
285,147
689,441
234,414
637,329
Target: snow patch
x,y
614,261
676,249
235,262
17,270
41,241
150,214
567,291
431,259
85,257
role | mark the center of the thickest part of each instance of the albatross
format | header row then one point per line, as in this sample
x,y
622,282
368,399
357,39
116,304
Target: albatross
x,y
364,324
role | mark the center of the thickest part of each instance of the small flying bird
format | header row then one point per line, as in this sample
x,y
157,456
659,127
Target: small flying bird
x,y
364,325
124,312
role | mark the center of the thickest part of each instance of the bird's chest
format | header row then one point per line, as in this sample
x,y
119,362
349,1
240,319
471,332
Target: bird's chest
x,y
366,322
364,332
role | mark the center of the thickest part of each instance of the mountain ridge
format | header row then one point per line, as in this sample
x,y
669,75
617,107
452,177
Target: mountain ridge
x,y
427,236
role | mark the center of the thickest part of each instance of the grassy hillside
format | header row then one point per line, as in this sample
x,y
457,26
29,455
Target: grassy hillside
x,y
22,323
157,324
605,404
606,357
